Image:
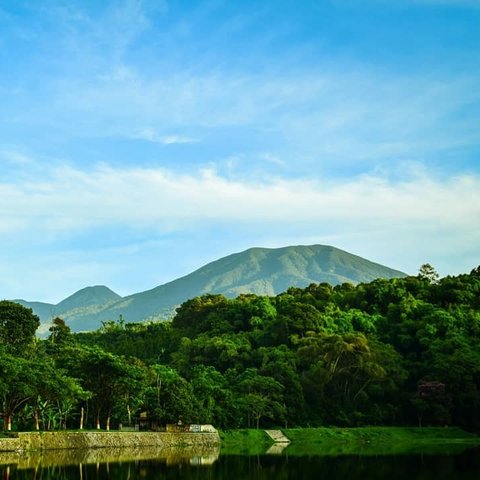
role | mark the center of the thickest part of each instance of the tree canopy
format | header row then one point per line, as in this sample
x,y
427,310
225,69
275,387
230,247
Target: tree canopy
x,y
401,351
17,326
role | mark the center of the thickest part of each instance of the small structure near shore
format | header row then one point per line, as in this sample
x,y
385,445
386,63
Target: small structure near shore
x,y
277,436
144,423
190,428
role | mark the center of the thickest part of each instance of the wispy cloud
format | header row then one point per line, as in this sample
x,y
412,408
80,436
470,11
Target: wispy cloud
x,y
273,159
325,116
329,112
16,158
151,135
69,199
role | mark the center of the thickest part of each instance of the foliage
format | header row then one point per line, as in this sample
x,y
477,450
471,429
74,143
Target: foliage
x,y
396,352
17,327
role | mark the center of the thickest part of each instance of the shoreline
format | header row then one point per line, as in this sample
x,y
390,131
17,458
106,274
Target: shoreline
x,y
350,439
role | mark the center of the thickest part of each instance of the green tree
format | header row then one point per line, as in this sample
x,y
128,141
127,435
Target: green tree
x,y
112,380
18,325
428,273
338,369
57,395
200,315
18,382
279,363
215,402
169,397
260,396
222,352
60,332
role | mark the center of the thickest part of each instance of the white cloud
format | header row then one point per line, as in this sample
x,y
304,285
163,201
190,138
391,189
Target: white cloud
x,y
173,139
16,158
69,199
329,111
322,115
273,159
71,227
151,135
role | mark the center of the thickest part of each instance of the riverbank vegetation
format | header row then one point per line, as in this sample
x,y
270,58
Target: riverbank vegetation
x,y
390,352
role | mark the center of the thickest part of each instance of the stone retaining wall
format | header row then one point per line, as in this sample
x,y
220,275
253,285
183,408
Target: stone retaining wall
x,y
64,440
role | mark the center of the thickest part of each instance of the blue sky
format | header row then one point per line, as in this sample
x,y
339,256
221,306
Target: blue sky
x,y
140,140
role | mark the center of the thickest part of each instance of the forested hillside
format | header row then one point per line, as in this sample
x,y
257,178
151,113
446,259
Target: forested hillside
x,y
402,351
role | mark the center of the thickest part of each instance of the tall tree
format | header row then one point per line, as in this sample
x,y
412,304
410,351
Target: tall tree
x,y
260,396
18,385
60,332
428,273
18,325
169,397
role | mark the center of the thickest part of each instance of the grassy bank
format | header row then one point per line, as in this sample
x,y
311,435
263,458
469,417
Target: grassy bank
x,y
245,441
377,434
362,440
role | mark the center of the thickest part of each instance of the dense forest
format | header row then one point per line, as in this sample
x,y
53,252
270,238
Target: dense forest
x,y
403,351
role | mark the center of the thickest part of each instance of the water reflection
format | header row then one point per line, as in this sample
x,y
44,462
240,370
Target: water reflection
x,y
277,449
187,463
59,463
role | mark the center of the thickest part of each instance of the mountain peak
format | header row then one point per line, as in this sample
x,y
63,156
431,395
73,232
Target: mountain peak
x,y
258,270
269,271
93,295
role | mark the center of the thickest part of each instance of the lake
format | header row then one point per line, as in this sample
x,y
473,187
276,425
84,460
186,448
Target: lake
x,y
449,462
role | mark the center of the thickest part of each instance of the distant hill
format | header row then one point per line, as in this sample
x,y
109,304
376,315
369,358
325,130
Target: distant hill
x,y
87,301
263,271
87,297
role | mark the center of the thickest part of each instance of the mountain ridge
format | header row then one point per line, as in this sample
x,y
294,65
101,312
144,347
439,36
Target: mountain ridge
x,y
263,271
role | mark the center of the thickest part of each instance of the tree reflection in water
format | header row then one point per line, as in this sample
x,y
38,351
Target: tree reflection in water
x,y
458,466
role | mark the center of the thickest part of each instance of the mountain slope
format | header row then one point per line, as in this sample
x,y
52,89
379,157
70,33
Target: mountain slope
x,y
262,271
45,311
258,270
85,302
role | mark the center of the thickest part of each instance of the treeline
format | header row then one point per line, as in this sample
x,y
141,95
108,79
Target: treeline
x,y
390,352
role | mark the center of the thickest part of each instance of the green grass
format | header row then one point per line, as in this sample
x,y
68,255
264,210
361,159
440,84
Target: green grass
x,y
245,441
379,440
353,441
377,434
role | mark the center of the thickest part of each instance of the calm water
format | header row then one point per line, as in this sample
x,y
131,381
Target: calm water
x,y
212,465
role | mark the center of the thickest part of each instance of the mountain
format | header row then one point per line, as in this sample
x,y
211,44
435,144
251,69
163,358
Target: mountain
x,y
87,297
263,271
87,301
